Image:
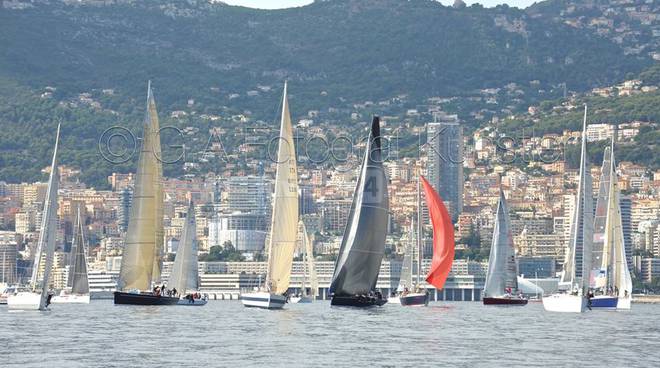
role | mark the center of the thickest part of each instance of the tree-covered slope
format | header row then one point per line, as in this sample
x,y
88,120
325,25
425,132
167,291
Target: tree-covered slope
x,y
355,49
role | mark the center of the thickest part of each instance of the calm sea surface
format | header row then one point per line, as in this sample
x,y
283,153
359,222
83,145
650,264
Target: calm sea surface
x,y
224,334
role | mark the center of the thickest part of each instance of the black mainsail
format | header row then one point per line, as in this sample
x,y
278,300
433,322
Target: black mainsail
x,y
363,244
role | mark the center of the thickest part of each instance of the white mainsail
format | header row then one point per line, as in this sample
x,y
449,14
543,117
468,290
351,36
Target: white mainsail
x,y
47,235
502,266
185,273
614,251
284,224
144,233
582,225
308,265
405,281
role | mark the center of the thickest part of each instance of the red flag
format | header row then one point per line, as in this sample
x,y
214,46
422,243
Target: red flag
x,y
443,237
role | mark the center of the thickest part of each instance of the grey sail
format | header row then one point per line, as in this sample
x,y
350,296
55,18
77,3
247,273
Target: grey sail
x,y
185,274
78,280
600,219
363,243
502,266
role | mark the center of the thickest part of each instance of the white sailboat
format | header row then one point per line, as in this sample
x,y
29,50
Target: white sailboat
x,y
38,297
284,223
308,270
77,290
575,296
416,296
405,280
184,277
619,281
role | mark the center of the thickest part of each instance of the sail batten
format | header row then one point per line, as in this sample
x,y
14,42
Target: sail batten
x,y
140,263
284,222
363,244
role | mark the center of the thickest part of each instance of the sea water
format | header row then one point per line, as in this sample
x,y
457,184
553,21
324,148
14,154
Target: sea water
x,y
225,334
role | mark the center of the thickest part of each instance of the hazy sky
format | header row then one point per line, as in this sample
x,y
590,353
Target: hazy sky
x,y
277,4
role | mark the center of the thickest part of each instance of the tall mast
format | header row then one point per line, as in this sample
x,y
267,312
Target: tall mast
x,y
419,233
284,220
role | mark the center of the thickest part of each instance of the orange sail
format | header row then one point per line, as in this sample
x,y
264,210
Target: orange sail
x,y
443,237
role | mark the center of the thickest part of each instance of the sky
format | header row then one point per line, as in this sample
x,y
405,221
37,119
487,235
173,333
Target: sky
x,y
279,4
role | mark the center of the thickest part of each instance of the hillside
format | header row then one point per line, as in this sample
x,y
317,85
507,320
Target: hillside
x,y
86,63
351,49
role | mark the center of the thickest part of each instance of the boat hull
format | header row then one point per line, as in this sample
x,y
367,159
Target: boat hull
x,y
358,301
24,301
70,299
414,299
603,302
624,303
194,303
300,299
565,303
143,299
504,301
263,300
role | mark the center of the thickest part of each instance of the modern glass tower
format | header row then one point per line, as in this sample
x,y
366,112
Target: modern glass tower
x,y
445,162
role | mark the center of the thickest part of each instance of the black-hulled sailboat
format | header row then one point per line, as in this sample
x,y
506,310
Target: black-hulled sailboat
x,y
363,244
140,264
502,279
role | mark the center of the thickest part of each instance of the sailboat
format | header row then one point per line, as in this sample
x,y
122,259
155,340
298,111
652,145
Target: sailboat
x,y
184,277
443,238
38,297
502,279
405,279
417,296
308,269
614,264
598,281
363,244
573,295
284,222
77,290
141,258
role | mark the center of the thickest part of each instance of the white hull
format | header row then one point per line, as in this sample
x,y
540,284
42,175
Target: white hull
x,y
70,299
300,299
394,300
263,300
624,303
24,301
566,303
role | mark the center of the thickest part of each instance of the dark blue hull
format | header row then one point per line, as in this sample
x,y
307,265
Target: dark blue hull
x,y
603,302
414,299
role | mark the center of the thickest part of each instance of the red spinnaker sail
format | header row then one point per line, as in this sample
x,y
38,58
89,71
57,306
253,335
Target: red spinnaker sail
x,y
443,237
